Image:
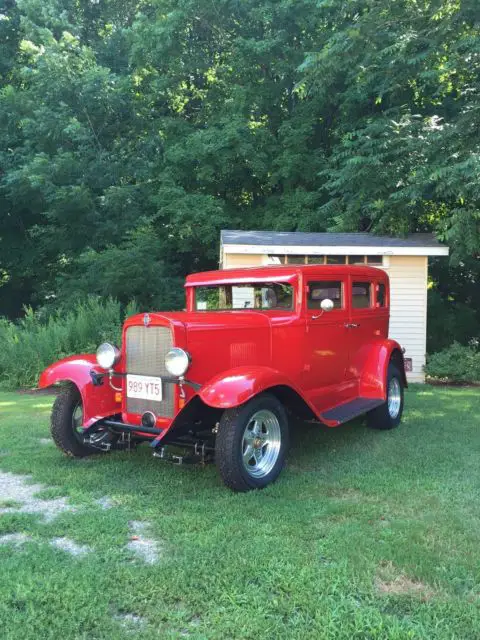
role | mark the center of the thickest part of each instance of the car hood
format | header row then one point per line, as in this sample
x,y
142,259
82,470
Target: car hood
x,y
216,341
204,319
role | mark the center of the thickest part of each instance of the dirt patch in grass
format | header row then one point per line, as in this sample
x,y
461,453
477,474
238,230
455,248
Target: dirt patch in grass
x,y
147,549
15,539
130,621
347,495
105,502
70,546
389,581
16,488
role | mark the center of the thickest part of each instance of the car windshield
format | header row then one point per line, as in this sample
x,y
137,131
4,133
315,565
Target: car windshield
x,y
263,295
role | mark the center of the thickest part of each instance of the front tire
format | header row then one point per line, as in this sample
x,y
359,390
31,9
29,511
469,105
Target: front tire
x,y
389,414
66,424
251,443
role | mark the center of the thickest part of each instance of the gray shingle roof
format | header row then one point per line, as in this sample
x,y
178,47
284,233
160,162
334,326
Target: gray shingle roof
x,y
300,238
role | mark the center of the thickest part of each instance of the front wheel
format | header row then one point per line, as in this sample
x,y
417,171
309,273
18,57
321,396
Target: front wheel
x,y
389,414
66,425
251,443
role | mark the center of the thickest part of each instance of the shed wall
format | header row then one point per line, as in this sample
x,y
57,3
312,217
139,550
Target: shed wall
x,y
238,260
408,308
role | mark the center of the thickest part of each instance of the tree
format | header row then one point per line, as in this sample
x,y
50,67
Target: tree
x,y
132,132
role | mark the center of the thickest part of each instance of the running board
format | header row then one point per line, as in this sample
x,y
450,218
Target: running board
x,y
350,410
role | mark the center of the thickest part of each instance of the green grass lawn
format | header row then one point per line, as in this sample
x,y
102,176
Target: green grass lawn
x,y
365,535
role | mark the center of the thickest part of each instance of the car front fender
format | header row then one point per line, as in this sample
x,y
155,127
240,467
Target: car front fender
x,y
98,400
373,361
235,386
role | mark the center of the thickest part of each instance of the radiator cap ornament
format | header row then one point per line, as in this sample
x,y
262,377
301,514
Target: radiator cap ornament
x,y
146,319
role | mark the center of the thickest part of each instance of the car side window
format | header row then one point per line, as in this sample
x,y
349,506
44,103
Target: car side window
x,y
381,295
320,290
361,295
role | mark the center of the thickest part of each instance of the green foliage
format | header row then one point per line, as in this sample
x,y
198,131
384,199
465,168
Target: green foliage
x,y
456,363
453,304
33,343
132,132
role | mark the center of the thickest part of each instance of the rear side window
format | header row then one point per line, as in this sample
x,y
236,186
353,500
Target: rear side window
x,y
361,295
381,296
318,291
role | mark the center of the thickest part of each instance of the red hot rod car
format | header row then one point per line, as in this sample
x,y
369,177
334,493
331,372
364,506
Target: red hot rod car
x,y
221,378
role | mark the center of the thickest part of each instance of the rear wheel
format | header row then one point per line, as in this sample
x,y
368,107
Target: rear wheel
x,y
389,414
251,443
66,425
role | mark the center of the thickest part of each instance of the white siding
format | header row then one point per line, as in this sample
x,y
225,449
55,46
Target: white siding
x,y
408,308
243,297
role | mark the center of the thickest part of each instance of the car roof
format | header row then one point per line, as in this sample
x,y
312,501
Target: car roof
x,y
281,273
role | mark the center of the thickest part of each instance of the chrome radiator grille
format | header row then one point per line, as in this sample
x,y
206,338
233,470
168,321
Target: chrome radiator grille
x,y
145,350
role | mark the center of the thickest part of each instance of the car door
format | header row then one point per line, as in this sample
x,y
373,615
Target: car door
x,y
363,322
326,357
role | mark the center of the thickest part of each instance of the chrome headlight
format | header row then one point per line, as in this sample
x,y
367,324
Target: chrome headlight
x,y
177,362
107,355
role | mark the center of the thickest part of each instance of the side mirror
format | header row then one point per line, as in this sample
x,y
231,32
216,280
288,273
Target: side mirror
x,y
327,304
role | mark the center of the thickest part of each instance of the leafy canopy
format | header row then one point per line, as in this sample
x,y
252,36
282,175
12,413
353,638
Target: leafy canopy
x,y
132,131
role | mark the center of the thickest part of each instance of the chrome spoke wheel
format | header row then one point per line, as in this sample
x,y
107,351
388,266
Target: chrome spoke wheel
x,y
394,397
77,419
77,426
261,443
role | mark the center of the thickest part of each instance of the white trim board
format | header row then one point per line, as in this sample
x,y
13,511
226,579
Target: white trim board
x,y
317,250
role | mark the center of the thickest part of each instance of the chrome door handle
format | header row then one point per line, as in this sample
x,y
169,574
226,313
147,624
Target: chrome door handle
x,y
316,317
351,325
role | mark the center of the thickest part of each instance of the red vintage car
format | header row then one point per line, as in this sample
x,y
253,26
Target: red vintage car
x,y
221,379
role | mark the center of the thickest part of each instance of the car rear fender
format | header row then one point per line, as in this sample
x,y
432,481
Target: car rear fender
x,y
373,362
98,400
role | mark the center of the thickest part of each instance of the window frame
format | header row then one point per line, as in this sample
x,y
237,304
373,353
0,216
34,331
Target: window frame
x,y
377,285
261,284
372,295
309,279
285,258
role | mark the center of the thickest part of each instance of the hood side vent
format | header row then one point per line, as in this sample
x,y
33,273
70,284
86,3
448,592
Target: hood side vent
x,y
243,353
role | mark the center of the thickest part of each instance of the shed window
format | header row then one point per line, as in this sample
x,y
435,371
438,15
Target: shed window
x,y
276,259
361,295
321,259
318,291
336,259
296,259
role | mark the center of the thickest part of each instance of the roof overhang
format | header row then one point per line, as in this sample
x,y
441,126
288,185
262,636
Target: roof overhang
x,y
318,250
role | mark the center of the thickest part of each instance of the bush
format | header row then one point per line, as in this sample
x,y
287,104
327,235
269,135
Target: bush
x,y
30,345
457,363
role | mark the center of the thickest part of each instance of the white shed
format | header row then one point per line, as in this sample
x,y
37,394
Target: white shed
x,y
404,259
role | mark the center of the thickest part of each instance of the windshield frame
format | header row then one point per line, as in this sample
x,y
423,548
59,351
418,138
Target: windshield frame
x,y
254,284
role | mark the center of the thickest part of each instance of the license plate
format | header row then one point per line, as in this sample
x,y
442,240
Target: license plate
x,y
144,387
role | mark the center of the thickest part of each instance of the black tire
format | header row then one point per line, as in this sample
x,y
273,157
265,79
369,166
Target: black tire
x,y
381,417
62,426
230,441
